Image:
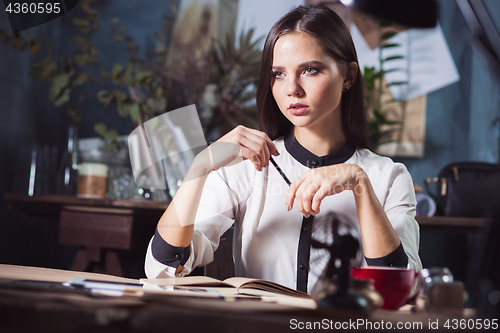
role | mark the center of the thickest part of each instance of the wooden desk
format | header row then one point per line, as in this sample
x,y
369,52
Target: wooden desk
x,y
51,311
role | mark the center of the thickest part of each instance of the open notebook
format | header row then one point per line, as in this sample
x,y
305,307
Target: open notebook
x,y
243,286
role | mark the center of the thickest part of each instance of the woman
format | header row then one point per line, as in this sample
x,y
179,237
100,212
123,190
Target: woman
x,y
310,105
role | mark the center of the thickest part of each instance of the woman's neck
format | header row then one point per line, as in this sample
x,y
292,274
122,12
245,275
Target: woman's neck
x,y
321,141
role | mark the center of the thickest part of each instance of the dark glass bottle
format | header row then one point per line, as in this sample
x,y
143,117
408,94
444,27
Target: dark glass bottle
x,y
68,169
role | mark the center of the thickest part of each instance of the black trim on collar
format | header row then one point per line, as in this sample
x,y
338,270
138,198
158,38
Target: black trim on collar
x,y
305,157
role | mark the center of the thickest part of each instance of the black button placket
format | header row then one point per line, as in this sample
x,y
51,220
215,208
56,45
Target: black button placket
x,y
303,253
304,250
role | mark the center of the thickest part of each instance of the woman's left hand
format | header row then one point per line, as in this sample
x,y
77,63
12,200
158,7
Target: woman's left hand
x,y
312,187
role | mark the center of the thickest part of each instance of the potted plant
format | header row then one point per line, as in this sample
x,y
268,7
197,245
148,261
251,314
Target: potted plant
x,y
381,128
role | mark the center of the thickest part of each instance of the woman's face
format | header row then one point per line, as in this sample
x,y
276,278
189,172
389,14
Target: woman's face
x,y
307,84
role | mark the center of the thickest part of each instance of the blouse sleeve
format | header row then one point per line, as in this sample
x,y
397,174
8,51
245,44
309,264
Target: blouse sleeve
x,y
218,208
400,204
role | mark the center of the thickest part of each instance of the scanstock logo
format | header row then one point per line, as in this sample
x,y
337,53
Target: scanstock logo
x,y
24,14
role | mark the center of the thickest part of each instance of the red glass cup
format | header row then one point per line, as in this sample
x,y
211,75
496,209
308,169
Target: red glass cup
x,y
393,284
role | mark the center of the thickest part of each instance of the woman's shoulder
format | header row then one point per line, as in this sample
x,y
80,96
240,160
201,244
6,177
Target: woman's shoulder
x,y
371,161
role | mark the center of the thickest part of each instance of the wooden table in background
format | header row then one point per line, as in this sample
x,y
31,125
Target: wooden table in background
x,y
99,227
102,226
460,224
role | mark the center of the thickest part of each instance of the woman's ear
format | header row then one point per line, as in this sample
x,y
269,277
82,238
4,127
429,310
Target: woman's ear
x,y
352,73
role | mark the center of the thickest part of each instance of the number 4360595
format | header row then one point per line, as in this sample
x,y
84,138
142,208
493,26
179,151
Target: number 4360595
x,y
471,324
33,8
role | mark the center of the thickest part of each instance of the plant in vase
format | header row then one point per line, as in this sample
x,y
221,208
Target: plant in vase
x,y
377,94
231,90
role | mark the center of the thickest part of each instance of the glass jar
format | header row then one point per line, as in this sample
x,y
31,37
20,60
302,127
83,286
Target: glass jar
x,y
121,184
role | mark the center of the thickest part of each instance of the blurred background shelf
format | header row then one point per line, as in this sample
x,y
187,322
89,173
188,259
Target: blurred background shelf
x,y
51,205
449,223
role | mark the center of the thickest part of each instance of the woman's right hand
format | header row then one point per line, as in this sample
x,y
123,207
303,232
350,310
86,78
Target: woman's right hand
x,y
240,144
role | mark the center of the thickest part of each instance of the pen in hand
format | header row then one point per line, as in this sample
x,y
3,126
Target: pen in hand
x,y
280,171
284,177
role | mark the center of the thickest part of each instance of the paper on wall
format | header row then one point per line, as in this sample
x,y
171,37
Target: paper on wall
x,y
427,64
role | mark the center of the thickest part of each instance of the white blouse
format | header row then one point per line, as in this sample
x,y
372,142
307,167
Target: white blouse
x,y
266,234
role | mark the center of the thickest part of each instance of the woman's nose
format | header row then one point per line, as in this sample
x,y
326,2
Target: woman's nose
x,y
294,88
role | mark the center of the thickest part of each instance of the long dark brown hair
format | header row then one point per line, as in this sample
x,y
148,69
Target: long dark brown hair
x,y
328,29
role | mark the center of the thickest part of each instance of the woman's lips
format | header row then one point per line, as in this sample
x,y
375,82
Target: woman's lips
x,y
297,109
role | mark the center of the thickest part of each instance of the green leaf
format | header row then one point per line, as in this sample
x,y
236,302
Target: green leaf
x,y
387,35
393,70
79,80
390,45
81,22
397,83
60,82
49,71
123,109
392,58
117,68
117,74
111,135
127,75
91,12
101,129
134,112
111,146
63,98
141,75
159,92
105,97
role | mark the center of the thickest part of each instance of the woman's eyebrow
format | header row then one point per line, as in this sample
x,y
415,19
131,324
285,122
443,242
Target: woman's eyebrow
x,y
311,63
304,64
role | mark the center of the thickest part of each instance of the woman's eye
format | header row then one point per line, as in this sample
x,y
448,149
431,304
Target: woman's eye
x,y
311,70
278,75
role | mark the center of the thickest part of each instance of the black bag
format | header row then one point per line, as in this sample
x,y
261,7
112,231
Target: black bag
x,y
467,189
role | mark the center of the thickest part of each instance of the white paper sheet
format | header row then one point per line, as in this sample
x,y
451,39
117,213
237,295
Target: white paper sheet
x,y
427,63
